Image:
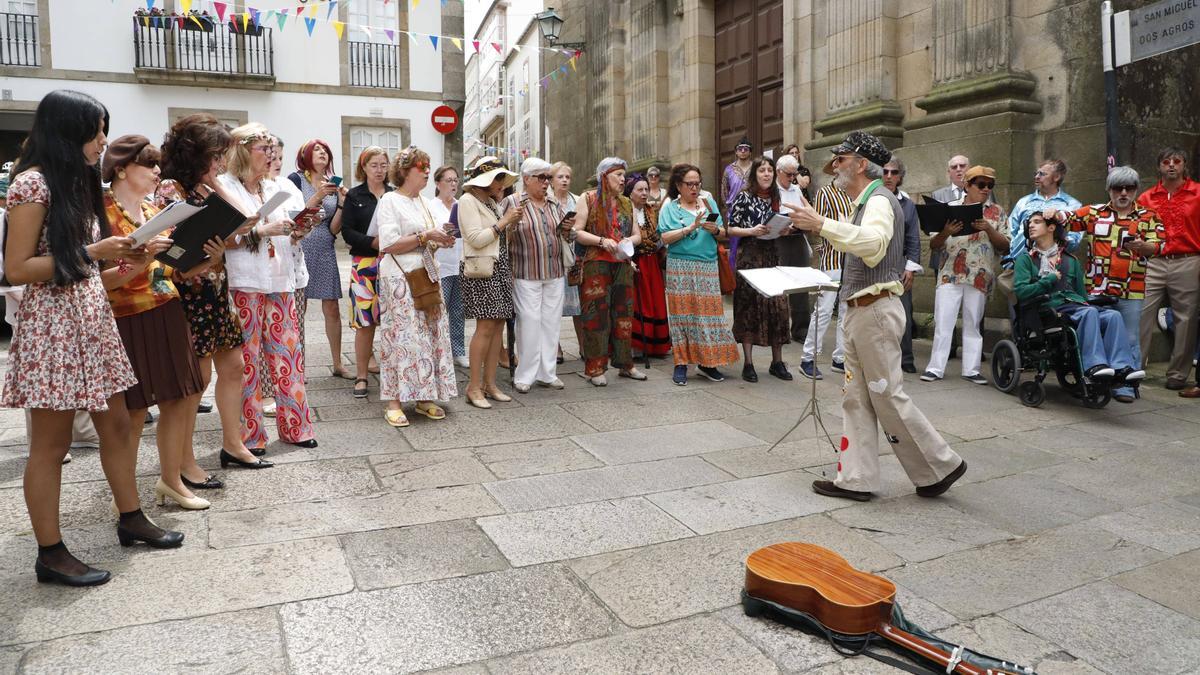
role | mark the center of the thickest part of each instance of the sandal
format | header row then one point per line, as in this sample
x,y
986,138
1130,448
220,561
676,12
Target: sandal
x,y
360,393
430,410
395,418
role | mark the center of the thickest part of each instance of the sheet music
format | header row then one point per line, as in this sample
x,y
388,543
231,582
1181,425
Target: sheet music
x,y
778,224
277,200
775,281
164,220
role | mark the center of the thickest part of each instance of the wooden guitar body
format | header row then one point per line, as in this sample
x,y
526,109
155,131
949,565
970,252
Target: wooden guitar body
x,y
820,582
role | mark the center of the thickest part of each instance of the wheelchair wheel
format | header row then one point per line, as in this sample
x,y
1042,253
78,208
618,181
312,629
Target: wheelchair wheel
x,y
1006,366
1031,393
1097,397
1069,381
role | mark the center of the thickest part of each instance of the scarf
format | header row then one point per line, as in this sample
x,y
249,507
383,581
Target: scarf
x,y
1046,259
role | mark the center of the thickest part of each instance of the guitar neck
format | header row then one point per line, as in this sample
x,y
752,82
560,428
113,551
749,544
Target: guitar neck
x,y
925,650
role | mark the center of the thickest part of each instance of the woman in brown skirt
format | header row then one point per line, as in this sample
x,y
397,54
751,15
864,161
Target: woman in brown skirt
x,y
151,319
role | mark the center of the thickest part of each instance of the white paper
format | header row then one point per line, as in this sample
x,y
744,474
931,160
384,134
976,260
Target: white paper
x,y
373,228
277,200
776,281
778,224
624,249
164,220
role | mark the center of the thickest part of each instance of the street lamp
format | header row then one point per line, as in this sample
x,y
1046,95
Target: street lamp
x,y
550,25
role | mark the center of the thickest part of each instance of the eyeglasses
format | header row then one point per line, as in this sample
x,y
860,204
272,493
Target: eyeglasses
x,y
1042,174
1123,188
983,186
958,167
264,147
545,177
693,184
652,175
450,179
1171,161
789,174
837,159
891,172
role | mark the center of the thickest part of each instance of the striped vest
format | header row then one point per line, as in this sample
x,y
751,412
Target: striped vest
x,y
855,274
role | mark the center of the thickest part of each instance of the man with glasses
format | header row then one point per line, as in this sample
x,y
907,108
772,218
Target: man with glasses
x,y
1174,276
1121,236
956,168
873,243
793,249
1047,194
893,178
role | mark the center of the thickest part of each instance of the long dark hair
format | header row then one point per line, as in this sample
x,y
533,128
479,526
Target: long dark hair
x,y
65,121
190,147
751,184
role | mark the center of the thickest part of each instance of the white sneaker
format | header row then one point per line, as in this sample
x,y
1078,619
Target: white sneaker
x,y
521,388
556,384
269,409
462,362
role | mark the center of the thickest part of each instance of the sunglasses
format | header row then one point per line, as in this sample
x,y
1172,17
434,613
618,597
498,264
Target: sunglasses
x,y
983,186
1123,188
891,172
543,177
1042,174
1171,161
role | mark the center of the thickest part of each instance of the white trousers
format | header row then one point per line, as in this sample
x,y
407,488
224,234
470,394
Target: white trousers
x,y
946,301
539,312
819,323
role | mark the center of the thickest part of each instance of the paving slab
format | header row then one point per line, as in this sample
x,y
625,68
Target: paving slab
x,y
423,470
348,438
535,458
1027,503
406,555
610,482
677,579
1151,428
698,645
762,459
1171,583
245,642
1115,629
1151,473
513,425
770,427
577,390
631,413
744,502
580,530
999,456
366,410
293,482
442,623
1170,526
893,481
300,520
140,592
916,528
771,395
1000,422
1078,443
991,578
672,440
1002,639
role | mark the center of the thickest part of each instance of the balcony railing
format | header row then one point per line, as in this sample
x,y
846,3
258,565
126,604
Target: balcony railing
x,y
374,65
201,45
19,40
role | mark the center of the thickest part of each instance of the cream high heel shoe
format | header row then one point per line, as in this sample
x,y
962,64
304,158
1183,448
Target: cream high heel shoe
x,y
162,491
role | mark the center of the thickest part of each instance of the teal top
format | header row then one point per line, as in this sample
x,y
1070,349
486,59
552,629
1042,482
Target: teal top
x,y
698,245
1029,283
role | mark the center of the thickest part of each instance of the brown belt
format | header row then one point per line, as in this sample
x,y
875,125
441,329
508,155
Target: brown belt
x,y
864,300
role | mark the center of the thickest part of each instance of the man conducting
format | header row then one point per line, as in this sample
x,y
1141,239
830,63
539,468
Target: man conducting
x,y
874,246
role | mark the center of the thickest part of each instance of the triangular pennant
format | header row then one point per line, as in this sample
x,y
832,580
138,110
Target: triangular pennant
x,y
572,62
563,69
245,21
554,76
220,8
146,21
196,20
282,19
391,35
415,3
299,11
309,23
312,11
544,83
475,44
457,43
149,5
179,22
578,53
497,47
339,27
329,14
517,48
367,30
433,39
255,15
186,6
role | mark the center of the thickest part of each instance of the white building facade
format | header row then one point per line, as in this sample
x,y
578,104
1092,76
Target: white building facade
x,y
367,87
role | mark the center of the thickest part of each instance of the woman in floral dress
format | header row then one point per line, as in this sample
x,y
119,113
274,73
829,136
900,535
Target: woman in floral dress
x,y
66,353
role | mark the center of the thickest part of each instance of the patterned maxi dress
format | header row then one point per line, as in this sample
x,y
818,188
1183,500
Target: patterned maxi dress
x,y
759,320
324,280
66,353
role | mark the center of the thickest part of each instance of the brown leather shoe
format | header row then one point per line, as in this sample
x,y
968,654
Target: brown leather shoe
x,y
1176,385
943,484
827,488
1190,392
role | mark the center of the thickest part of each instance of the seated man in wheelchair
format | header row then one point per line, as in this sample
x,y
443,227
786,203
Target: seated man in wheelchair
x,y
1048,270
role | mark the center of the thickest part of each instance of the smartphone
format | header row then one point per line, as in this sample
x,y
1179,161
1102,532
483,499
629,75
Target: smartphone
x,y
712,217
570,215
335,180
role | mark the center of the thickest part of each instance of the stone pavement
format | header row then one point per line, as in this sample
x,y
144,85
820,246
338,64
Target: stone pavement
x,y
604,530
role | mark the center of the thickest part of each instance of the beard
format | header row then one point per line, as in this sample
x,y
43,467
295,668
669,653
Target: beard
x,y
841,178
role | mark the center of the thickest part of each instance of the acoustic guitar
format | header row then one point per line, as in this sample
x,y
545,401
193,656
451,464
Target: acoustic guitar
x,y
794,577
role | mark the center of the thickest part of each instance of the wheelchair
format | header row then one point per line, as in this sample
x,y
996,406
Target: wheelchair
x,y
1044,341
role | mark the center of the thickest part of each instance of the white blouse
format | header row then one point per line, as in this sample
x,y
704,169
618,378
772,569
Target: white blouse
x,y
258,271
448,256
295,203
399,216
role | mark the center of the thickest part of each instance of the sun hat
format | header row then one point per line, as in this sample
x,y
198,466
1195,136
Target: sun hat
x,y
486,170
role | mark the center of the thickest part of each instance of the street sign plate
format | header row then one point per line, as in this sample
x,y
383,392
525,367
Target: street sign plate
x,y
444,119
1162,27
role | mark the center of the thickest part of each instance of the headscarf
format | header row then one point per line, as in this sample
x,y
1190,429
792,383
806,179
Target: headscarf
x,y
605,167
632,180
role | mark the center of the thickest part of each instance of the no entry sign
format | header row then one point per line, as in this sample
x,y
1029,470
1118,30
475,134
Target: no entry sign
x,y
444,119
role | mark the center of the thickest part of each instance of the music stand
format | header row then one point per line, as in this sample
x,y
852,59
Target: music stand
x,y
812,408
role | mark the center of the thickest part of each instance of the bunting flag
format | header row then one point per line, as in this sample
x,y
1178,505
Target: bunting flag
x,y
186,6
339,27
457,43
332,5
309,24
475,44
245,21
391,35
434,39
197,21
312,12
282,19
497,47
255,15
149,5
220,8
572,62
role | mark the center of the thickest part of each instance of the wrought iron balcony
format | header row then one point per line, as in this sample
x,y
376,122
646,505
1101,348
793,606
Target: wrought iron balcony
x,y
19,40
202,45
374,64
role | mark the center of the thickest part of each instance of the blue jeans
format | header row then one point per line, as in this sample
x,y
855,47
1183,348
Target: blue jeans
x,y
1101,333
1131,312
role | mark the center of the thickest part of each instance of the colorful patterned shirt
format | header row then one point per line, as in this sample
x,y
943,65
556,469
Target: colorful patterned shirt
x,y
1111,269
971,258
833,203
1180,215
534,242
149,288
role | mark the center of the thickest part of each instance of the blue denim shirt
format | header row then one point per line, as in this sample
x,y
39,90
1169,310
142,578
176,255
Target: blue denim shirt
x,y
1035,203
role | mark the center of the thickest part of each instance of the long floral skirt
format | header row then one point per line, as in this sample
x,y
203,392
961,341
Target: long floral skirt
x,y
606,323
415,360
759,320
696,313
651,332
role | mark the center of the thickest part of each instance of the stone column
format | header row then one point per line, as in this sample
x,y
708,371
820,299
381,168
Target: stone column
x,y
692,108
453,82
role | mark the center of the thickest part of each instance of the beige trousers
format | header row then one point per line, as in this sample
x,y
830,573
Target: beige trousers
x,y
1177,281
874,397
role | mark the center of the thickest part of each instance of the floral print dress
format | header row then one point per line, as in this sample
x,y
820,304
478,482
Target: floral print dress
x,y
215,325
66,353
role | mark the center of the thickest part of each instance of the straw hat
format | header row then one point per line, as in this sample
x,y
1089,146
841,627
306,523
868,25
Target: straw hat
x,y
486,170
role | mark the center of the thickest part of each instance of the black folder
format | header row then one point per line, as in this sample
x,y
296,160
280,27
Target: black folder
x,y
217,219
934,216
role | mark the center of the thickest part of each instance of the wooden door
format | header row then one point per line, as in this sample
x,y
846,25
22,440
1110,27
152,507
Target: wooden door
x,y
749,75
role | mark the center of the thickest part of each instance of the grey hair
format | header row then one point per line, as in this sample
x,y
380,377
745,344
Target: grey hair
x,y
787,163
899,164
1122,175
873,170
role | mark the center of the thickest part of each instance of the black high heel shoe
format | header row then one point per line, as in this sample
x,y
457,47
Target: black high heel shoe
x,y
92,577
210,482
168,538
227,459
310,443
258,452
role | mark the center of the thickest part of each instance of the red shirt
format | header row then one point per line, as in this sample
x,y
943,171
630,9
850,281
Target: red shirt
x,y
1180,215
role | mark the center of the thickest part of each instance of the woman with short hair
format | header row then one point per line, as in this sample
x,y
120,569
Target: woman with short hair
x,y
651,334
371,172
445,181
560,193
